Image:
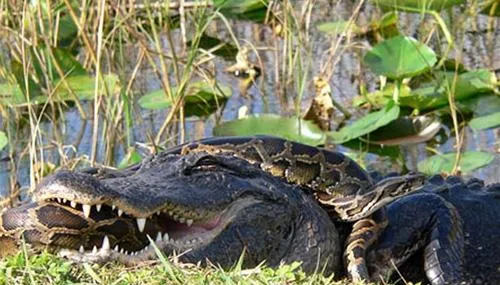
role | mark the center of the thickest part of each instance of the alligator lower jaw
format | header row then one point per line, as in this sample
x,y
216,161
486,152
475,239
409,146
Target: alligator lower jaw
x,y
175,237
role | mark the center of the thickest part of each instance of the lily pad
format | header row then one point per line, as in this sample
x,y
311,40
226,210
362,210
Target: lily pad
x,y
82,86
469,161
400,57
254,10
485,122
385,25
433,94
200,98
3,140
417,5
335,28
382,150
366,124
294,129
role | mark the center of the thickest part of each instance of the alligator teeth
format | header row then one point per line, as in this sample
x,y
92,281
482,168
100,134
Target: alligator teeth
x,y
189,222
81,249
113,207
120,213
141,223
105,244
59,200
122,251
117,248
86,210
94,250
158,237
182,220
98,207
165,237
64,200
73,204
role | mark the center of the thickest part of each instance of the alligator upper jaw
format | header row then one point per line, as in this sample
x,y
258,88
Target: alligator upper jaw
x,y
168,231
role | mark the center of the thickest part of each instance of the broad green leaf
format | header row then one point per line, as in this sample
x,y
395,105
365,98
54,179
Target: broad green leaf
x,y
467,84
11,95
254,10
400,57
434,94
82,86
132,157
3,140
485,122
385,25
294,129
366,124
335,28
198,95
444,163
67,63
480,105
417,6
30,87
383,150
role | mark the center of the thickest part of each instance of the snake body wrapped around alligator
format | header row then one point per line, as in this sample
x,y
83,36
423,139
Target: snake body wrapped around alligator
x,y
216,198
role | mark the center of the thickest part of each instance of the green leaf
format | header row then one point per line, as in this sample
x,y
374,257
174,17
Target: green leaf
x,y
383,150
467,84
11,95
83,87
485,122
366,124
385,25
294,129
469,161
33,89
434,94
335,28
254,10
199,95
417,6
3,140
132,157
400,57
63,58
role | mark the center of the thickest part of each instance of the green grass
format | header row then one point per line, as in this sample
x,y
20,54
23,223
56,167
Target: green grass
x,y
46,268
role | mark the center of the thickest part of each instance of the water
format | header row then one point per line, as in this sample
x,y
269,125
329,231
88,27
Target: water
x,y
480,49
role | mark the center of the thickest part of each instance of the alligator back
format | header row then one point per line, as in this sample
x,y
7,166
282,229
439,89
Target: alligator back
x,y
479,208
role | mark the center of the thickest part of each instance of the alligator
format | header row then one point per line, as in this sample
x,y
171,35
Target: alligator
x,y
268,198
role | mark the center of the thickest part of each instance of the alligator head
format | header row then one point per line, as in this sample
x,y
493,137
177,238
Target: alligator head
x,y
201,206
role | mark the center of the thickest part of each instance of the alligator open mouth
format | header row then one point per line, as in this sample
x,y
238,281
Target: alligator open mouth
x,y
173,227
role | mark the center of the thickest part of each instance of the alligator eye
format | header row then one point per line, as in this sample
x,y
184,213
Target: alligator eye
x,y
206,163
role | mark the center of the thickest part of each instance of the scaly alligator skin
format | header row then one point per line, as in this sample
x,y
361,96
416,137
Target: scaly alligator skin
x,y
448,233
198,205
